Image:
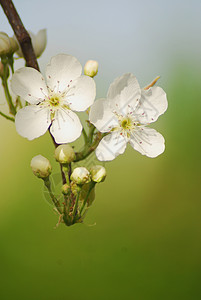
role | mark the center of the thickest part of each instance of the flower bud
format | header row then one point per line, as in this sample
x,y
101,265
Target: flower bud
x,y
74,188
5,44
41,166
39,42
64,154
65,189
80,176
14,45
91,68
98,173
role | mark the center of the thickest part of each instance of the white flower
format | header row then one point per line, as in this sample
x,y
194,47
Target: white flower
x,y
125,114
80,176
41,166
53,104
39,42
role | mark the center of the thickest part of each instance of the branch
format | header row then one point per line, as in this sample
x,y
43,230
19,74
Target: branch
x,y
25,43
20,33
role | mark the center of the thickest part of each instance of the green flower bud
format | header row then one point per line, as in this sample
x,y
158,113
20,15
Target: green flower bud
x,y
98,173
80,176
91,68
41,166
64,154
65,189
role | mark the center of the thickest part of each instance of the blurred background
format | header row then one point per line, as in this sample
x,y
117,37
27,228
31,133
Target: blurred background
x,y
146,243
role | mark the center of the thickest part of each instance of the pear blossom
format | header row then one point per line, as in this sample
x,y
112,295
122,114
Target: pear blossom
x,y
52,104
125,114
39,42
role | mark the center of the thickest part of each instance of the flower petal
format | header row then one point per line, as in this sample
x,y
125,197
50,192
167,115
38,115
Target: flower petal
x,y
32,121
101,116
124,93
29,84
148,142
66,127
40,42
82,93
152,104
61,70
111,146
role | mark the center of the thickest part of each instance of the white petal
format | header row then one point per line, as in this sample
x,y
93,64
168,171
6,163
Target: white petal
x,y
61,70
148,142
82,93
111,146
32,121
29,84
153,103
124,92
40,42
66,127
101,116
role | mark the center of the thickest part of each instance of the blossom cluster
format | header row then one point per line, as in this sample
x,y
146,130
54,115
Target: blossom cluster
x,y
123,115
51,104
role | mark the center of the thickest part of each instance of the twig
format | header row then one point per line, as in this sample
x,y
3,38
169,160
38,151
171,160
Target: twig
x,y
20,33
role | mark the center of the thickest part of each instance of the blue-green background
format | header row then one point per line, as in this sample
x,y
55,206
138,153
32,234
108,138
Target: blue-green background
x,y
146,243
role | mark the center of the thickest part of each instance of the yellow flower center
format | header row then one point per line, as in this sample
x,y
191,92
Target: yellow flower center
x,y
54,101
126,123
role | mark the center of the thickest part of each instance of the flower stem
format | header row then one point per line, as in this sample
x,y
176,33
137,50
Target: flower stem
x,y
76,205
91,132
87,196
7,117
89,148
6,89
54,199
84,135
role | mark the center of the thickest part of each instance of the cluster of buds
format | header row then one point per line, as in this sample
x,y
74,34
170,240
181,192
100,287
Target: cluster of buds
x,y
78,191
81,175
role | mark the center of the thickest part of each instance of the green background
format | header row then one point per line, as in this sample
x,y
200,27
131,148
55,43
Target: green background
x,y
142,236
146,242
